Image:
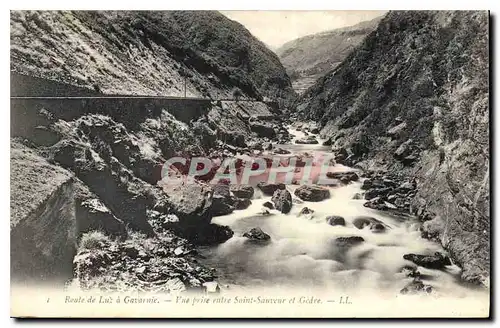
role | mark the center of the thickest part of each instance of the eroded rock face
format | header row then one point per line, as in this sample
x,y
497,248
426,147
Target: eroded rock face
x,y
282,200
43,227
92,214
312,193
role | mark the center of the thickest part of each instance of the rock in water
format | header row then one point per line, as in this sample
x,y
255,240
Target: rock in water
x,y
348,241
335,220
344,177
436,261
309,140
269,205
242,203
256,234
416,286
222,202
282,200
375,225
306,211
269,188
242,191
312,193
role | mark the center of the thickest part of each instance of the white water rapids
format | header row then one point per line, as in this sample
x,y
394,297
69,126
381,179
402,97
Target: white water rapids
x,y
302,251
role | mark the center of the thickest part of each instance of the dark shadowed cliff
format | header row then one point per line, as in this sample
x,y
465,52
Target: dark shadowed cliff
x,y
413,98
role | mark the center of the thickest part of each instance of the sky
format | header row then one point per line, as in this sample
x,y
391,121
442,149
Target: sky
x,y
275,28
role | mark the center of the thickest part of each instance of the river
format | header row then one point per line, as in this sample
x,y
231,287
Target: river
x,y
302,252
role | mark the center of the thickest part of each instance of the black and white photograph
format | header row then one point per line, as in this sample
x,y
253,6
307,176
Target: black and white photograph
x,y
250,164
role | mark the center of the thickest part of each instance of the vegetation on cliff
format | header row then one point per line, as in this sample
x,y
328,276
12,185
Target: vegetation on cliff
x,y
413,98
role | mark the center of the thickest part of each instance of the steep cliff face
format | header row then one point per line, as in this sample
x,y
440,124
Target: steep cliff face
x,y
308,58
146,53
43,223
413,98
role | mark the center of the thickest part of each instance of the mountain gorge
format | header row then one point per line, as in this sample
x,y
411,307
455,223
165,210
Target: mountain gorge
x,y
308,58
104,153
100,100
413,99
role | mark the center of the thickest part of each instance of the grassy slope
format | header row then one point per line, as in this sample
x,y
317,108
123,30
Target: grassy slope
x,y
146,53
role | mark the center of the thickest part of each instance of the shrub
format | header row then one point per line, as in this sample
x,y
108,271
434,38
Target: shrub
x,y
94,240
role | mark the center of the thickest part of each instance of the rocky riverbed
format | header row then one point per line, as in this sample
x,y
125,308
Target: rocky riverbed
x,y
357,235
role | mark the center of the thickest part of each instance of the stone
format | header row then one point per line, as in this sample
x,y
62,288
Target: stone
x,y
312,193
377,192
242,191
263,129
345,242
282,200
436,261
256,234
344,177
267,146
416,286
361,222
335,220
357,196
242,203
269,205
310,140
268,189
305,211
377,228
281,151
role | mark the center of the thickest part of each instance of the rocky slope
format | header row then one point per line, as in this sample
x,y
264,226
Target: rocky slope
x,y
146,53
413,100
308,58
114,151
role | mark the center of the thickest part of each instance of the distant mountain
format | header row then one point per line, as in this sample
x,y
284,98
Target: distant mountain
x,y
310,57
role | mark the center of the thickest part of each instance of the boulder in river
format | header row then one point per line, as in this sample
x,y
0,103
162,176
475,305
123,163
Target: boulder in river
x,y
282,200
269,205
242,203
269,188
436,261
350,241
335,220
309,140
256,234
281,151
344,177
312,193
357,196
263,129
361,222
242,191
416,286
306,211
